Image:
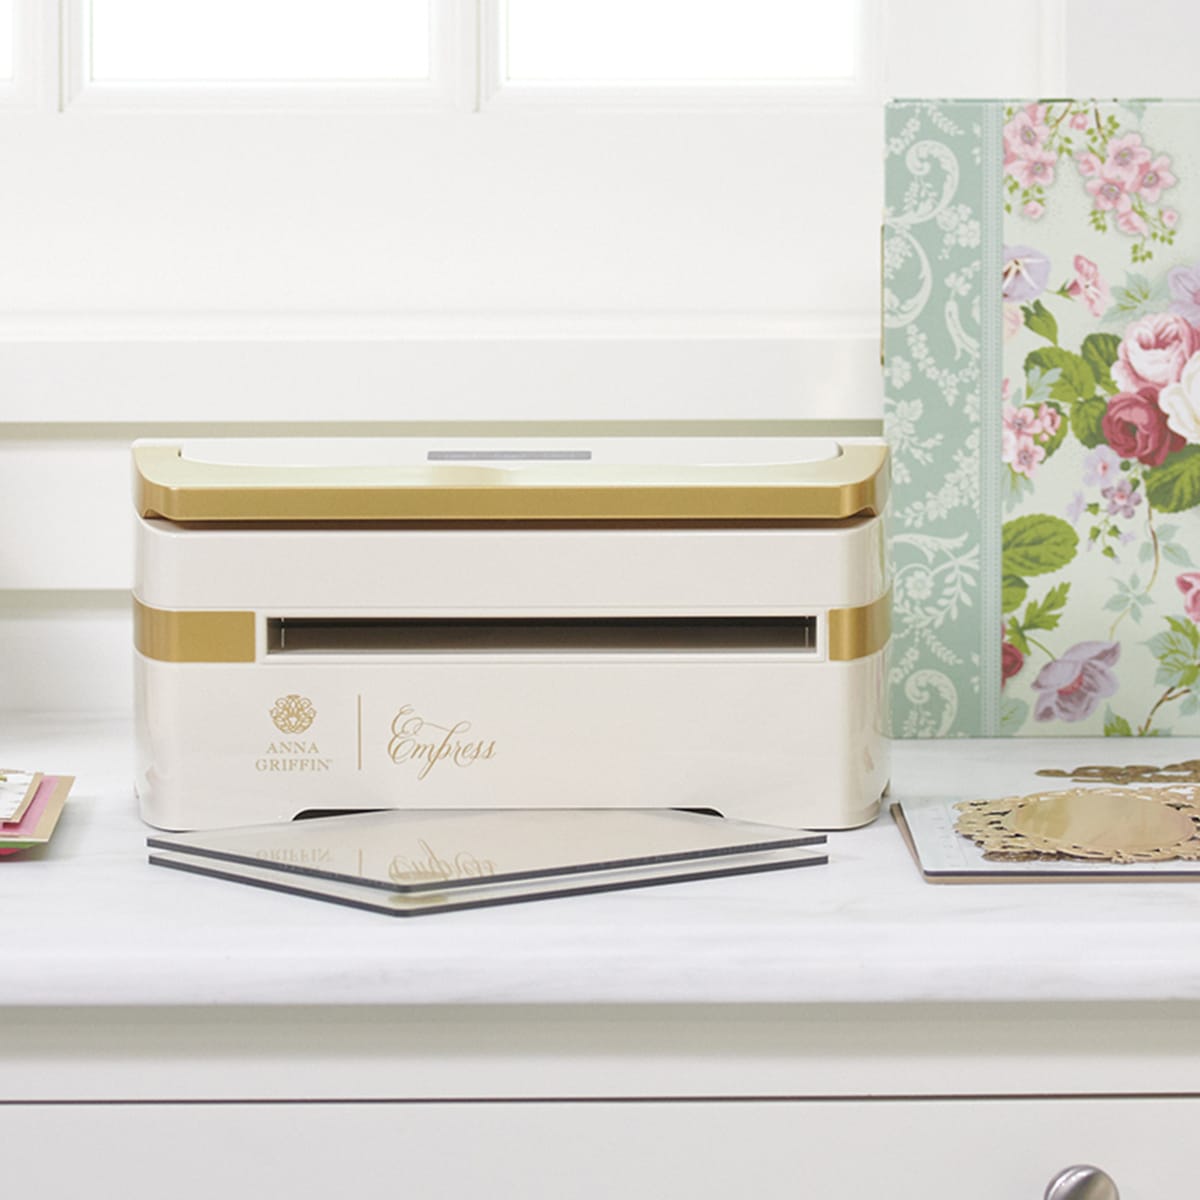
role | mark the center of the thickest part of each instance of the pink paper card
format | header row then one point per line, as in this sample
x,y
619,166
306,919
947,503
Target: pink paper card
x,y
17,790
36,825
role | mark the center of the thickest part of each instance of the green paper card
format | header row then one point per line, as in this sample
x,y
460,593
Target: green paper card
x,y
1041,312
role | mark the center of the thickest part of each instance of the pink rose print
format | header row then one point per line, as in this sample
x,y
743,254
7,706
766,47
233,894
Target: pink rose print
x,y
1032,170
1131,223
1154,351
1185,292
1026,133
1048,420
1069,688
1109,191
1135,427
1125,177
1126,156
1153,177
1021,452
1022,422
1181,402
1011,662
1023,432
1189,584
1089,286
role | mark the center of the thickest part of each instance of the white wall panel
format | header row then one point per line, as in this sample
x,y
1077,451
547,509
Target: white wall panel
x,y
1115,49
65,651
66,515
716,213
323,369
943,48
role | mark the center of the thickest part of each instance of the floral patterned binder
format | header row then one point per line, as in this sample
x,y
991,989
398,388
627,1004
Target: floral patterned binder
x,y
1041,310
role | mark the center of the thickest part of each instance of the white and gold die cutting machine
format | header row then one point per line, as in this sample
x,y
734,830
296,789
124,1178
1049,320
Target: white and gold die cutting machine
x,y
341,624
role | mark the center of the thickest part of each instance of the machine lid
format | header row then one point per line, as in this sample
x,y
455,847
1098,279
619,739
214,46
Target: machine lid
x,y
625,479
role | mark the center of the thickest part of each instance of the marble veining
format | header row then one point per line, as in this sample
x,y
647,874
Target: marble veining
x,y
89,922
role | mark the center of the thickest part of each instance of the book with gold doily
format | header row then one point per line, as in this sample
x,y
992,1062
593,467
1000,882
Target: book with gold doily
x,y
1104,831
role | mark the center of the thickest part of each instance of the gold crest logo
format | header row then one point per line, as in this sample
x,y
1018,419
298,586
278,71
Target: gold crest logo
x,y
293,713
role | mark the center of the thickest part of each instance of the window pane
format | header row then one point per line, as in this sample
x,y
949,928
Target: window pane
x,y
258,41
680,41
6,39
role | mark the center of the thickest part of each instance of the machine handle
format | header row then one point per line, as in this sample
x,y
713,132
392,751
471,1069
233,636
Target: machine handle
x,y
1082,1183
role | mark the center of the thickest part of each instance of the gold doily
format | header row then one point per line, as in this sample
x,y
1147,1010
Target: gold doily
x,y
1116,824
1180,772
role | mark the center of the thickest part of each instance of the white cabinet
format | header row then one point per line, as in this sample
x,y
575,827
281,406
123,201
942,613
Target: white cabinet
x,y
849,1035
769,1150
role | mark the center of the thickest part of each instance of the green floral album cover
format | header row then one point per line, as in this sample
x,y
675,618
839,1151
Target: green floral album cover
x,y
1041,310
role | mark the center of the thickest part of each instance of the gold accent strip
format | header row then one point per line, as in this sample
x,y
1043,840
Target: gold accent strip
x,y
170,636
167,485
859,632
211,637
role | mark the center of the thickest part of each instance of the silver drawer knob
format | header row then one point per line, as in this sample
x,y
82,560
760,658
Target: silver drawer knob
x,y
1082,1183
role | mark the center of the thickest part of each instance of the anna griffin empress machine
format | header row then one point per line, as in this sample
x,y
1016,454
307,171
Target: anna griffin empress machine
x,y
327,625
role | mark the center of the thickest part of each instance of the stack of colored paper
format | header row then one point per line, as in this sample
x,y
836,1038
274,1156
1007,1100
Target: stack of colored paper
x,y
30,804
409,863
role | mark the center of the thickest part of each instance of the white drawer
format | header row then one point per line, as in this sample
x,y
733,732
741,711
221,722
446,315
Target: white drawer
x,y
979,1149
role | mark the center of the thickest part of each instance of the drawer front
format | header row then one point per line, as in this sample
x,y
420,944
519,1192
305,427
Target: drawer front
x,y
572,1150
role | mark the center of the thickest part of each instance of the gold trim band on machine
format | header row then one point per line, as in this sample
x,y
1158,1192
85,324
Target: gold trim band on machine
x,y
171,487
193,637
175,636
859,632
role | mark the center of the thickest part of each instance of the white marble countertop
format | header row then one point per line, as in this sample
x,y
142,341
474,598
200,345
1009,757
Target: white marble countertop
x,y
88,922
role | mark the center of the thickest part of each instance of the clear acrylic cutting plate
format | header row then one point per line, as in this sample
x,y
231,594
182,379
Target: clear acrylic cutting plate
x,y
414,851
425,903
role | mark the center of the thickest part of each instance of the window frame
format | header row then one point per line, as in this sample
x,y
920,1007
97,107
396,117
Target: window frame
x,y
542,310
497,93
451,84
34,82
467,59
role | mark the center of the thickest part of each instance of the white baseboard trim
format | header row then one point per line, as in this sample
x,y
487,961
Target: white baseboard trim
x,y
316,369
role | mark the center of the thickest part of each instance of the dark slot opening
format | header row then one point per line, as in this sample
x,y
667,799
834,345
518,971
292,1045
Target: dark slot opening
x,y
338,635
